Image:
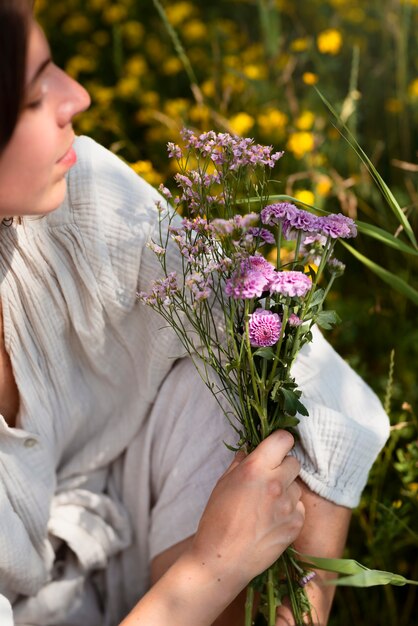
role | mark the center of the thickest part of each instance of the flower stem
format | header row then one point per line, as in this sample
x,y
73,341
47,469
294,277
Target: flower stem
x,y
271,600
249,606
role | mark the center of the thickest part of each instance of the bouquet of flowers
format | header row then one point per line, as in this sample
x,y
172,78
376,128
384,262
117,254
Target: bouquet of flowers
x,y
243,315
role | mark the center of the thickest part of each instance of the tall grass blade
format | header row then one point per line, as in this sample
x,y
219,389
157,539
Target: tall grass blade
x,y
388,277
354,573
180,51
388,195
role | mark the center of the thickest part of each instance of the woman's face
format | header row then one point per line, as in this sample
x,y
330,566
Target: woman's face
x,y
34,163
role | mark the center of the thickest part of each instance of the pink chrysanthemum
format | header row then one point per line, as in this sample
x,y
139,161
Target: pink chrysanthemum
x,y
290,284
259,264
264,328
248,284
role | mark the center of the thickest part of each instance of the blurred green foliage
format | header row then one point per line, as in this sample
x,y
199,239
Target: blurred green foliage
x,y
250,66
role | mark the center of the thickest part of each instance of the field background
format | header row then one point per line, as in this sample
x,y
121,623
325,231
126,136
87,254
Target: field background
x,y
250,66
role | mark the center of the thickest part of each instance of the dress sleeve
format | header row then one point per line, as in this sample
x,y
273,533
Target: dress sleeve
x,y
188,455
346,427
6,614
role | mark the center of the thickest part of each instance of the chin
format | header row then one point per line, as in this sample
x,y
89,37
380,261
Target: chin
x,y
53,200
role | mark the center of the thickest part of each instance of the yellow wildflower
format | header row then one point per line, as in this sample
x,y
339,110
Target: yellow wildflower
x,y
329,41
145,169
255,72
413,88
299,45
172,66
304,195
199,113
150,99
128,86
208,88
305,120
79,63
76,24
133,32
241,123
178,12
234,83
396,504
393,105
323,186
309,78
272,124
101,38
194,30
299,143
176,107
136,65
114,13
85,124
154,49
96,5
102,95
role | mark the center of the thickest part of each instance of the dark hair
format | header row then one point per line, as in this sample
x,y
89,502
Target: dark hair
x,y
14,28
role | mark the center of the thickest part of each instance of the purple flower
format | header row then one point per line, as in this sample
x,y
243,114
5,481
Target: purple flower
x,y
259,264
300,220
335,266
262,233
337,226
264,328
275,213
246,284
294,320
306,578
290,284
174,151
291,218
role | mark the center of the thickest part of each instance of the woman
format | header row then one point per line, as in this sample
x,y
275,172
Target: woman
x,y
106,457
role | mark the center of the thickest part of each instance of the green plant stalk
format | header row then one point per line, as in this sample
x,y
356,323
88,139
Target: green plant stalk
x,y
270,597
249,605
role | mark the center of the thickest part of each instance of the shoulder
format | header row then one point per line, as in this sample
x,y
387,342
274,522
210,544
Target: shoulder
x,y
113,211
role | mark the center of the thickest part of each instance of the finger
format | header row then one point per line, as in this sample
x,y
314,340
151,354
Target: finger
x,y
289,471
274,449
294,492
239,457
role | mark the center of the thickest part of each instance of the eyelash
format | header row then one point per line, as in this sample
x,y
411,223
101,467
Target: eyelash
x,y
36,104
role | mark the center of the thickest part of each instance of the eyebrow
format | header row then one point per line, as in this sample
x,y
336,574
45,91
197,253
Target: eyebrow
x,y
39,71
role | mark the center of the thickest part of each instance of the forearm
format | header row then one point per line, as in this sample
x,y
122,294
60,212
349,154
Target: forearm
x,y
191,593
324,534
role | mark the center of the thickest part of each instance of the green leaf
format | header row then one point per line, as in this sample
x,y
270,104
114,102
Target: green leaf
x,y
265,353
384,237
317,298
354,573
327,319
292,404
388,277
288,421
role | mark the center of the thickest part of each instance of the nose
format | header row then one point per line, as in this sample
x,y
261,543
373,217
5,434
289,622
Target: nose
x,y
74,99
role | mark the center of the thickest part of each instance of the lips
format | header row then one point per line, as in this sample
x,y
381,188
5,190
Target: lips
x,y
68,158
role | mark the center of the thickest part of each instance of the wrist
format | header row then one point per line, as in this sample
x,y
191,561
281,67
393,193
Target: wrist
x,y
192,592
